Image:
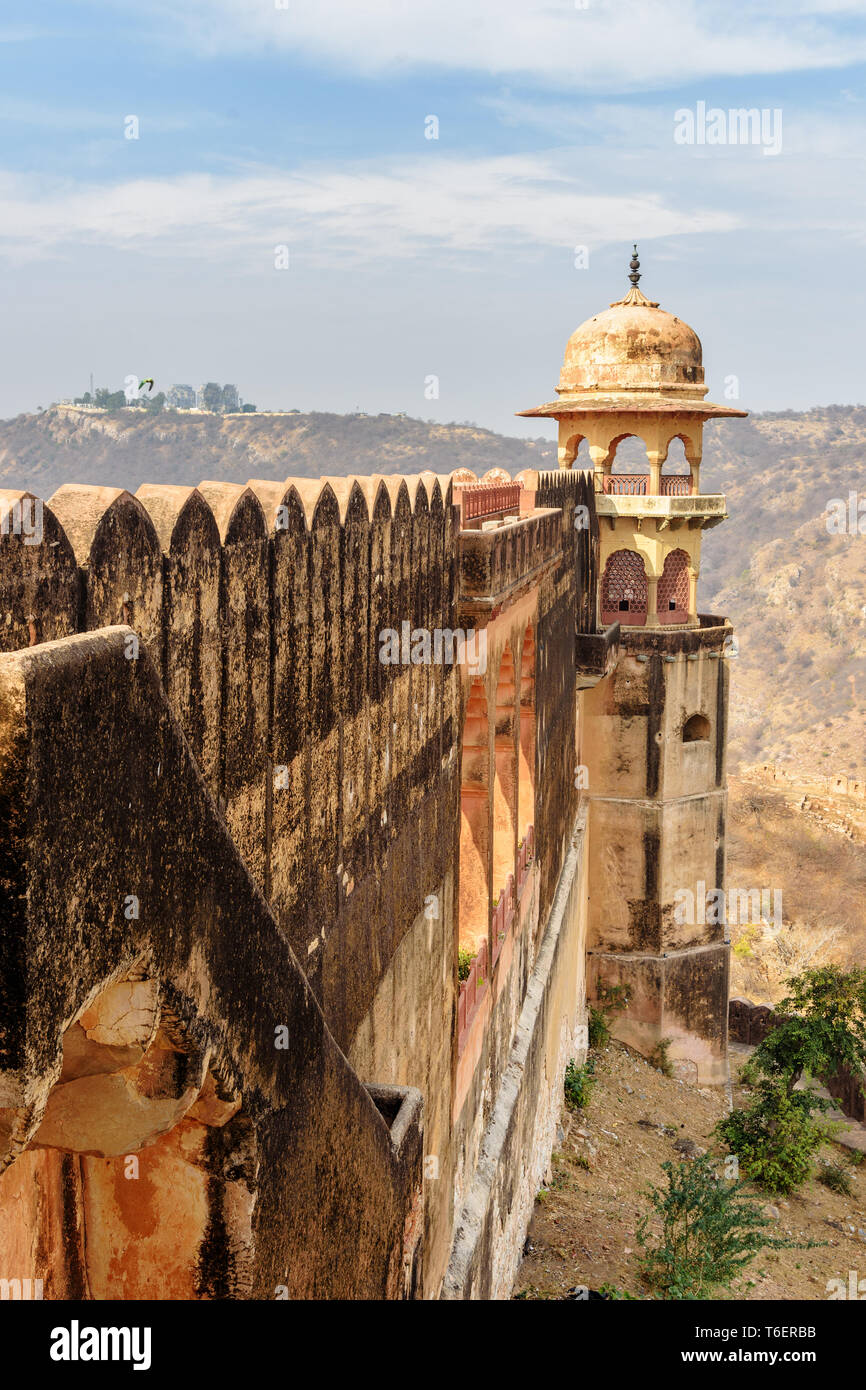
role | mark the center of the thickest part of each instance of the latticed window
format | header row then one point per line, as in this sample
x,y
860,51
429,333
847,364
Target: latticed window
x,y
673,592
623,589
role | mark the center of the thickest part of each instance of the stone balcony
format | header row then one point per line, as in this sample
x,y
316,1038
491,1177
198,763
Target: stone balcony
x,y
596,654
672,508
497,564
710,636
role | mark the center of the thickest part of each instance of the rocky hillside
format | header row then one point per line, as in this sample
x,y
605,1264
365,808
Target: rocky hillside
x,y
796,593
583,1234
128,447
809,847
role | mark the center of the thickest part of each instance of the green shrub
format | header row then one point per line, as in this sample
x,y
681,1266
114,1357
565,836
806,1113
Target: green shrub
x,y
612,999
837,1177
822,1029
599,1030
579,1082
464,963
659,1058
710,1231
775,1137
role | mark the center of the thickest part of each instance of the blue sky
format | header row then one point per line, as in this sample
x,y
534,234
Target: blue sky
x,y
304,127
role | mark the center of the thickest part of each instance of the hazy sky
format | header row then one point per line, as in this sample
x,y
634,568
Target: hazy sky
x,y
261,127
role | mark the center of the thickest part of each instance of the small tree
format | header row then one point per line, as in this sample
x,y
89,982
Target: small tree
x,y
824,1028
109,400
465,958
212,396
776,1136
710,1231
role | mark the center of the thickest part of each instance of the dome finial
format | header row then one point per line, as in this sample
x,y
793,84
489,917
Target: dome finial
x,y
635,295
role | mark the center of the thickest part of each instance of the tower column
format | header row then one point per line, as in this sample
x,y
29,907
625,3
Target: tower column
x,y
652,586
693,594
655,472
653,730
599,456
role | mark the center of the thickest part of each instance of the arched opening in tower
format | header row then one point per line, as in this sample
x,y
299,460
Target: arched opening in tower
x,y
673,589
696,729
628,455
676,472
624,589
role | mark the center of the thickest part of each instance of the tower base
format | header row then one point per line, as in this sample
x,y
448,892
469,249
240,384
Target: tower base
x,y
680,997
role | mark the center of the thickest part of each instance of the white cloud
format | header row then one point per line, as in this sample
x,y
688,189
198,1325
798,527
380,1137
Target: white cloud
x,y
617,175
609,45
46,115
354,213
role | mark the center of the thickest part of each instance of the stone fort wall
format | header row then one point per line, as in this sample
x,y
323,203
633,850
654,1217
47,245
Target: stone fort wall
x,y
338,778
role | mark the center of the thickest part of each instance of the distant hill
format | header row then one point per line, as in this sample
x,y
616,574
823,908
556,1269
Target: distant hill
x,y
125,448
796,594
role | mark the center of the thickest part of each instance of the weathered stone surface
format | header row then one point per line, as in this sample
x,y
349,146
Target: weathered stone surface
x,y
241,855
94,840
38,574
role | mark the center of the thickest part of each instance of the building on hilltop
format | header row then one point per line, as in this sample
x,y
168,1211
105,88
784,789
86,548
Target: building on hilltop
x,y
219,399
181,397
325,806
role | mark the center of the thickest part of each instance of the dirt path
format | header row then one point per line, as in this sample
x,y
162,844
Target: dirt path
x,y
583,1227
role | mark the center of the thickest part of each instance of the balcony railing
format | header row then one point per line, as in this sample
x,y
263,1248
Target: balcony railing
x,y
676,485
489,499
637,485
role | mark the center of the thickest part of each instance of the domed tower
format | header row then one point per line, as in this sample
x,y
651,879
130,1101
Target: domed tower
x,y
651,736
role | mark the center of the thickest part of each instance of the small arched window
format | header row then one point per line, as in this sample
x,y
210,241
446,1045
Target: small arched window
x,y
624,589
696,729
673,589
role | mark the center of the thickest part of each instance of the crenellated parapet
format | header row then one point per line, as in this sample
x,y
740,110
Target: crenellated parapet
x,y
263,608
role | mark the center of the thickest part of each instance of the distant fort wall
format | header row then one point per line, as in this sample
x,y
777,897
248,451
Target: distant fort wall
x,y
834,784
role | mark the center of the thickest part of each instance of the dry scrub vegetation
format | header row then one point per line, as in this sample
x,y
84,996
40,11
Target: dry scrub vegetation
x,y
776,842
583,1231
